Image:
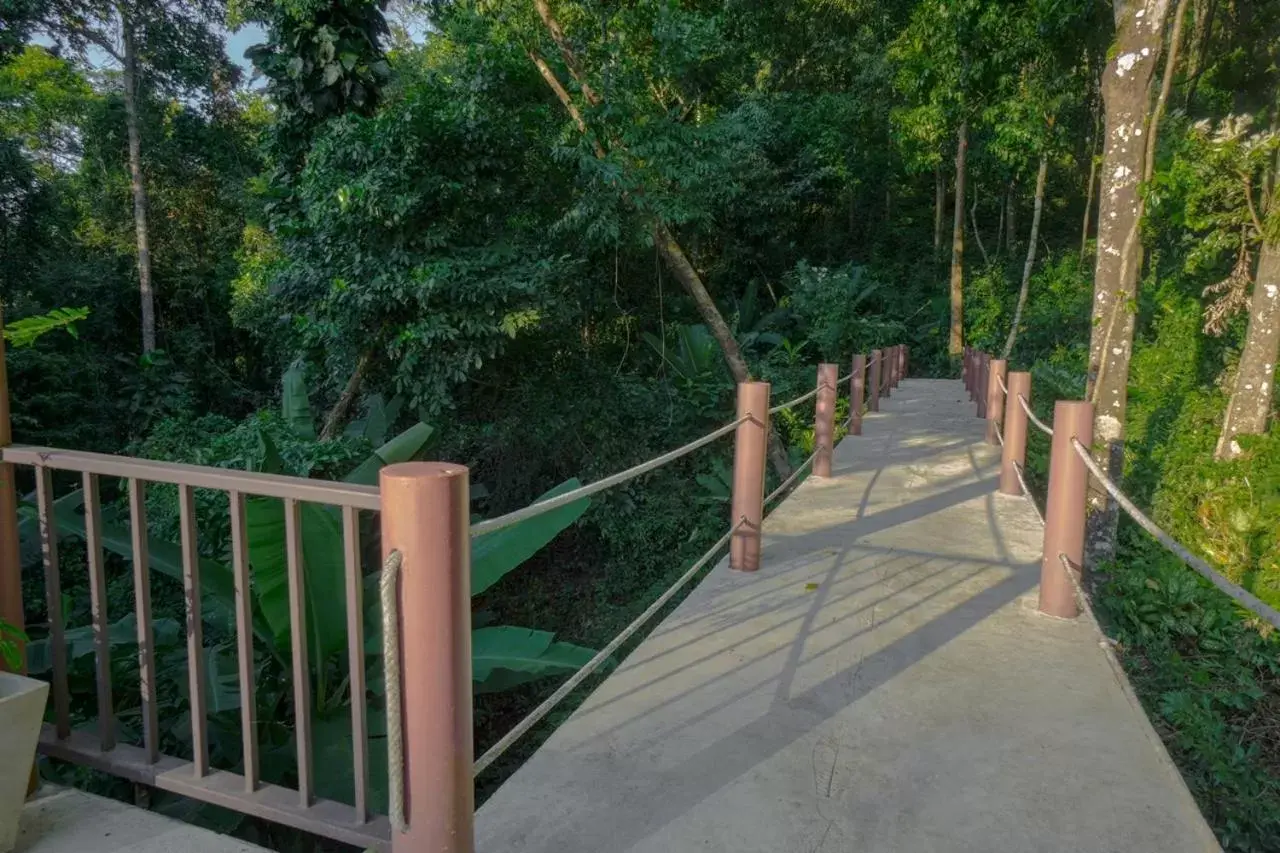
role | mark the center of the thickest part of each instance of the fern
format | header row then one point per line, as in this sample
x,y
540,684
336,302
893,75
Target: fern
x,y
24,332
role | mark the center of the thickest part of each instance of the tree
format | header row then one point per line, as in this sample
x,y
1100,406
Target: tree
x,y
956,337
165,45
1126,93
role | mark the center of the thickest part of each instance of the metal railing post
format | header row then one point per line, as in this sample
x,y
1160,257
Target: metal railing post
x,y
824,419
10,561
873,380
749,447
1065,508
857,391
995,399
425,516
1015,432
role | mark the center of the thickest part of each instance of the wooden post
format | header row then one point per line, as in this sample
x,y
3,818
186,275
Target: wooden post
x,y
426,516
1065,510
1015,433
824,419
995,399
10,561
873,380
857,391
750,444
980,384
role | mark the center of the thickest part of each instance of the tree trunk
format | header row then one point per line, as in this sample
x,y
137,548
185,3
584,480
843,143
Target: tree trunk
x,y
1126,89
977,235
1041,178
1201,33
956,344
1011,216
342,408
1249,409
139,189
939,202
1166,86
1000,229
672,253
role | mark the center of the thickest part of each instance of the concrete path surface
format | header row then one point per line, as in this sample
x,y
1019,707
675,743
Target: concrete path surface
x,y
64,820
883,683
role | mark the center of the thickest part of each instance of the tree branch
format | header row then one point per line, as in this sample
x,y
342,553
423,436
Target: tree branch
x,y
566,51
1248,197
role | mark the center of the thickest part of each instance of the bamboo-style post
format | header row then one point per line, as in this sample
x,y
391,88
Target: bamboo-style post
x,y
824,419
857,391
426,516
995,399
1065,510
873,380
751,441
1015,433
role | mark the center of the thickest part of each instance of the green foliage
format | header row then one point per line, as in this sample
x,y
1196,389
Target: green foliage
x,y
24,332
835,306
1208,678
10,637
495,554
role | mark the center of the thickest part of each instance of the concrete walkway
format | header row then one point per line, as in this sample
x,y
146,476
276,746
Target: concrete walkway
x,y
64,820
882,684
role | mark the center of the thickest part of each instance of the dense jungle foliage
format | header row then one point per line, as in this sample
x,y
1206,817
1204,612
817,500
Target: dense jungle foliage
x,y
544,239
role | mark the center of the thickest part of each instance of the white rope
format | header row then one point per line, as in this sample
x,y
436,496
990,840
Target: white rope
x,y
1208,572
1004,388
1026,493
494,752
794,476
391,676
482,527
1026,407
797,401
1075,582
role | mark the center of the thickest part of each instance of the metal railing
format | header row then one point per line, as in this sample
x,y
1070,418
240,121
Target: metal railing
x,y
426,533
1008,411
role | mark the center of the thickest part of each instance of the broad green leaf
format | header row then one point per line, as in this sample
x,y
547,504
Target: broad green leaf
x,y
294,404
217,583
79,641
495,554
334,769
402,448
272,462
505,656
322,572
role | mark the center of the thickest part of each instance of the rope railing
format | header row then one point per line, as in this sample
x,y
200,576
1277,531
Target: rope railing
x,y
1238,593
1026,407
535,509
795,475
548,705
1026,492
391,675
781,407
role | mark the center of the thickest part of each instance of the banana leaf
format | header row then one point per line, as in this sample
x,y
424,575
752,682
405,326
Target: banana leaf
x,y
295,405
506,656
79,641
496,554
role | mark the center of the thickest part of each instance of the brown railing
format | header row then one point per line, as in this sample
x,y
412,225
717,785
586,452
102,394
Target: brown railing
x,y
1005,404
244,792
426,534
